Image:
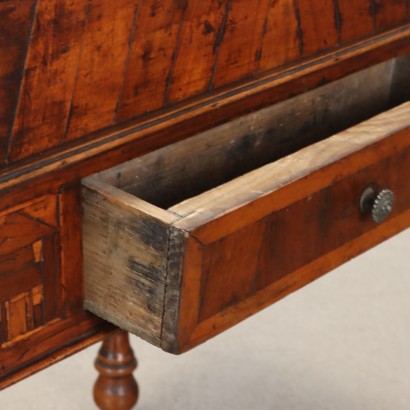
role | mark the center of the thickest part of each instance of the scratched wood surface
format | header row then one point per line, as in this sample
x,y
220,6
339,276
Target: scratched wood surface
x,y
71,68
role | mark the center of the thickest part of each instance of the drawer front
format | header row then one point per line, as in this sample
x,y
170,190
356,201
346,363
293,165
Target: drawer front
x,y
212,260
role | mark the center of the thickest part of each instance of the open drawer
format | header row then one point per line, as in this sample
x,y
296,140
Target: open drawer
x,y
188,240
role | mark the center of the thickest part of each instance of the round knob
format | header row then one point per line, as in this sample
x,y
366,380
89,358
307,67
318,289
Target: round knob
x,y
380,205
383,205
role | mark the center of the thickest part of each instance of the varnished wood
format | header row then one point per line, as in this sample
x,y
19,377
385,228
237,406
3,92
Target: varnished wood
x,y
211,241
42,319
355,19
81,67
241,42
55,341
116,388
109,28
281,21
90,84
74,163
389,13
50,71
152,53
13,44
198,49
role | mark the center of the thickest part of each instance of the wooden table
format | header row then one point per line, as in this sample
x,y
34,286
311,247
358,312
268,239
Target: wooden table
x,y
177,245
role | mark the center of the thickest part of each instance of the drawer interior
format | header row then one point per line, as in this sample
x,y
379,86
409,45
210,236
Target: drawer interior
x,y
251,210
183,170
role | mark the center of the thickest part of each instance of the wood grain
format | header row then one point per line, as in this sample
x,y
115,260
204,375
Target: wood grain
x,y
151,57
389,13
241,45
40,324
50,73
46,48
104,57
16,19
281,43
291,283
357,20
93,65
117,146
125,249
204,212
254,140
199,42
50,344
116,388
29,267
318,25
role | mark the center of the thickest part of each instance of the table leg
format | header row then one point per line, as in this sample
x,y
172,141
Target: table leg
x,y
116,388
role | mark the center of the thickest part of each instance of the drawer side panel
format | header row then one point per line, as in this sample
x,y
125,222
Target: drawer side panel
x,y
124,265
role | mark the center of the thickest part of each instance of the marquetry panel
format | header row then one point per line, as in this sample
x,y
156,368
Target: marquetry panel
x,y
71,68
30,278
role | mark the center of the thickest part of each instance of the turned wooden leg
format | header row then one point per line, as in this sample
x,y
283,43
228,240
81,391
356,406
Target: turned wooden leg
x,y
116,388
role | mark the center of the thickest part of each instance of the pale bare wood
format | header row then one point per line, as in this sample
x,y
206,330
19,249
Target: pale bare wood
x,y
264,181
125,254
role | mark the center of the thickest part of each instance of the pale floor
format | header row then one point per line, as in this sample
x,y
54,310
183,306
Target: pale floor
x,y
340,343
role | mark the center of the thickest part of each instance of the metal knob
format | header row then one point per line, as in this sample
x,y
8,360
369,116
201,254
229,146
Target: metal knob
x,y
380,205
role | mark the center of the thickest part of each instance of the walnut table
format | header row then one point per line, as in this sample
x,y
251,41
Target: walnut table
x,y
172,167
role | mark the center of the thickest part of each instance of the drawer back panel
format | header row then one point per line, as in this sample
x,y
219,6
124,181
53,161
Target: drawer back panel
x,y
185,169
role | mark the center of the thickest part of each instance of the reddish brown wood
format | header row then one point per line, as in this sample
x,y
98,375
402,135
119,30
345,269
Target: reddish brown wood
x,y
71,242
29,267
104,56
116,388
72,164
242,39
327,228
52,342
39,322
93,64
200,37
156,41
281,43
86,65
16,24
319,25
50,72
356,19
227,244
389,13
